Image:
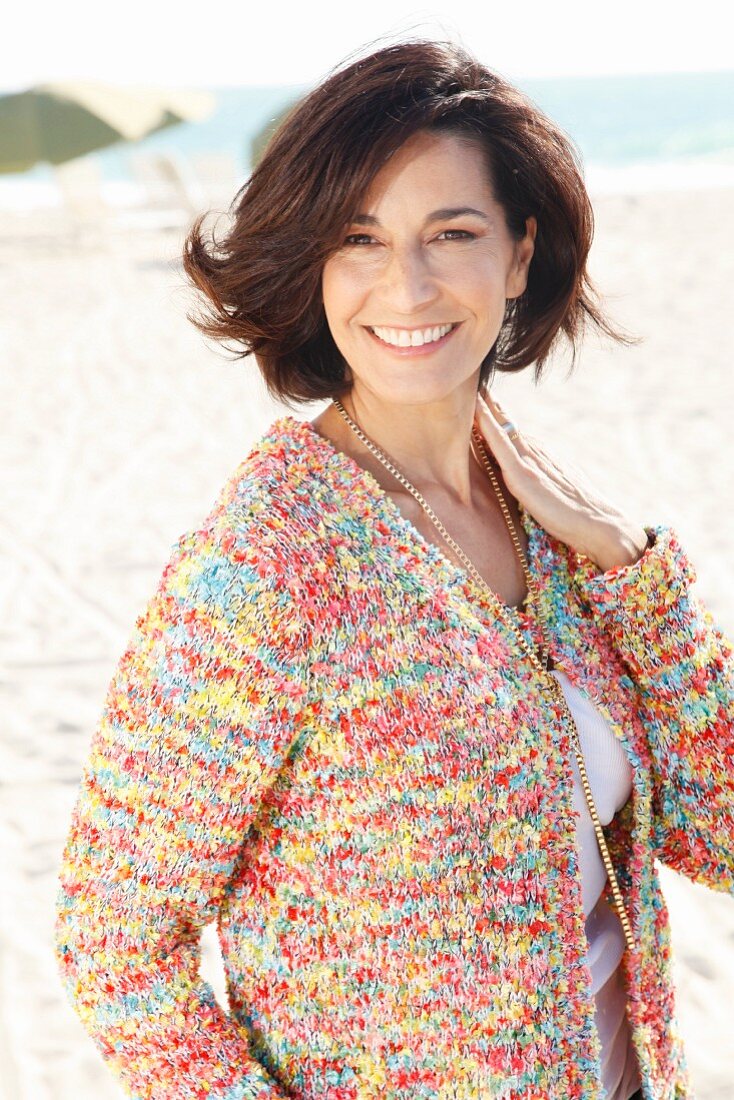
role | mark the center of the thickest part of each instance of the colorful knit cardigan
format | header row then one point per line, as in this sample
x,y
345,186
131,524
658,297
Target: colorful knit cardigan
x,y
322,737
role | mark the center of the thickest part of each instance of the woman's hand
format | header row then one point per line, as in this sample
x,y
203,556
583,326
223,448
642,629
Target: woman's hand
x,y
567,509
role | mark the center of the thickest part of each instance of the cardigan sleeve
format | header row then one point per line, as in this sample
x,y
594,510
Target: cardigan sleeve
x,y
198,719
683,665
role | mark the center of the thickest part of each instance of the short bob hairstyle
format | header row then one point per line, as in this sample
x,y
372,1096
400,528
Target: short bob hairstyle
x,y
262,284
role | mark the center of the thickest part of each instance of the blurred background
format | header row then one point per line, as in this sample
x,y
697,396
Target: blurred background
x,y
121,423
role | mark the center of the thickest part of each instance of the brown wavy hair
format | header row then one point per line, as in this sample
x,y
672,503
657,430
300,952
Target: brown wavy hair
x,y
262,283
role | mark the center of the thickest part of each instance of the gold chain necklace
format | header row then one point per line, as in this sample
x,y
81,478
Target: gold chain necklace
x,y
542,663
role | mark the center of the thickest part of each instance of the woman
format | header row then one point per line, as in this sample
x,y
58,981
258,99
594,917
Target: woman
x,y
412,713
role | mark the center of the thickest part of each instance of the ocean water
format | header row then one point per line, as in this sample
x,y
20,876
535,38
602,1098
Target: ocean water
x,y
633,132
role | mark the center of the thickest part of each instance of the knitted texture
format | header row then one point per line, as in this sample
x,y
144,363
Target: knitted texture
x,y
322,736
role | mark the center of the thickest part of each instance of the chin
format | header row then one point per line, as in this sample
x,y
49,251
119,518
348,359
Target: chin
x,y
415,393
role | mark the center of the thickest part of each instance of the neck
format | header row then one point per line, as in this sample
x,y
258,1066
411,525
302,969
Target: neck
x,y
429,444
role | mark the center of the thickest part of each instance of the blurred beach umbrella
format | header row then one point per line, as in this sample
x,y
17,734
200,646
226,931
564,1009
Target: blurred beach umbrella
x,y
60,121
261,138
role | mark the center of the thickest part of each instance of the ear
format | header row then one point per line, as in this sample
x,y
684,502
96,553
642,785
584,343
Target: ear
x,y
517,278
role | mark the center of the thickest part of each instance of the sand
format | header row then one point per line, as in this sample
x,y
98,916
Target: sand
x,y
121,426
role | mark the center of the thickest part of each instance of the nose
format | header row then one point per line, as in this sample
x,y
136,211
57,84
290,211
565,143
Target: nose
x,y
406,283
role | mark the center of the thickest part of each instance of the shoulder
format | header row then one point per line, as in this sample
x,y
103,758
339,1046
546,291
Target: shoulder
x,y
273,495
235,566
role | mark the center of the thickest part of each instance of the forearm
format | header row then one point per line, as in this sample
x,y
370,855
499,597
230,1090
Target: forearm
x,y
619,547
130,907
648,606
198,719
156,1024
683,667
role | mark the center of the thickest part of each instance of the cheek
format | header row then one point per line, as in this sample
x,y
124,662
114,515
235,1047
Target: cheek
x,y
475,277
343,291
328,289
483,285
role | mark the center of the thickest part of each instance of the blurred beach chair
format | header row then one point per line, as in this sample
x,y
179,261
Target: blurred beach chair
x,y
84,210
178,187
220,177
168,182
90,218
169,190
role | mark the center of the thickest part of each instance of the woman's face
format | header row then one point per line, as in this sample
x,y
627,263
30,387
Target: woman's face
x,y
428,248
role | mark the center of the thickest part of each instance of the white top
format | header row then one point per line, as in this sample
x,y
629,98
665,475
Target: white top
x,y
610,776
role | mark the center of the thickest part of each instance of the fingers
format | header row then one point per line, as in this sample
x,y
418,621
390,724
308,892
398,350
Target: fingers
x,y
505,444
514,443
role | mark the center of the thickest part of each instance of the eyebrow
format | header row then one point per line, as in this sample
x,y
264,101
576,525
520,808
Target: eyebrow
x,y
437,215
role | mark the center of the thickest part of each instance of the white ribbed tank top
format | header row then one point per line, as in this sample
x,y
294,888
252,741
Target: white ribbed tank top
x,y
610,776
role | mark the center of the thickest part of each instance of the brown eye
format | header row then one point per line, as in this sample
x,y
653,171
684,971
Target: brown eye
x,y
463,233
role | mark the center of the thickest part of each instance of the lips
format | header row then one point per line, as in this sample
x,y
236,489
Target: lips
x,y
406,337
410,350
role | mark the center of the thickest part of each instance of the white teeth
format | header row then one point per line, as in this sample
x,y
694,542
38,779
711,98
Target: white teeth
x,y
403,338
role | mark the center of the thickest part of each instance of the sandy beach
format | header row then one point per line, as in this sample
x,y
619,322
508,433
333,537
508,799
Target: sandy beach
x,y
124,424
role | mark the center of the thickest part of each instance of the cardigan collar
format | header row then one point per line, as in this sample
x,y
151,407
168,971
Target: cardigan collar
x,y
376,503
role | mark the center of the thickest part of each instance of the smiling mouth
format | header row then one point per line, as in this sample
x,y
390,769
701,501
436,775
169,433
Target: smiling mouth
x,y
406,339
